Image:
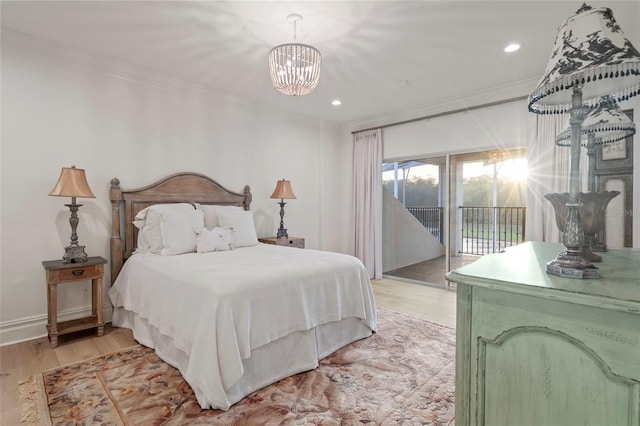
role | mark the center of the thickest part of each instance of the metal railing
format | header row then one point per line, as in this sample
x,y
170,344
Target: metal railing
x,y
431,218
490,229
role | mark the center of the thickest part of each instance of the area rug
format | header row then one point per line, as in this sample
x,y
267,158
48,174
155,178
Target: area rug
x,y
403,374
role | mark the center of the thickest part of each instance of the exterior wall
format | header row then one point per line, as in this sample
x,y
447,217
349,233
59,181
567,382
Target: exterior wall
x,y
404,240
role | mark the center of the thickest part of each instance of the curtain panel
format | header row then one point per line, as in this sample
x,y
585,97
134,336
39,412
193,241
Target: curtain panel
x,y
548,171
367,200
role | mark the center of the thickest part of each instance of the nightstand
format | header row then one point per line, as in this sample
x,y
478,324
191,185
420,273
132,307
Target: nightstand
x,y
289,242
59,272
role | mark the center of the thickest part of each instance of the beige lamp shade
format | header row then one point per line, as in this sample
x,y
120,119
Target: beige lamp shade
x,y
283,190
72,183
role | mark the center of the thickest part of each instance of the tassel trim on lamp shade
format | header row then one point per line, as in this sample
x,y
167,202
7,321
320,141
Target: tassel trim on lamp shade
x,y
606,123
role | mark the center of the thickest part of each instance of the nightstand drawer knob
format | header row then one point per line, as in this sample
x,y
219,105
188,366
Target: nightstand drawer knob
x,y
78,272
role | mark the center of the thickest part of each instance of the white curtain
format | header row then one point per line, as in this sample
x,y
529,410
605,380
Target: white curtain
x,y
548,166
367,200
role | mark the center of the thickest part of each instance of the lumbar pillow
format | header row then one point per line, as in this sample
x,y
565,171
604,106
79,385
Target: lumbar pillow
x,y
243,226
214,239
178,230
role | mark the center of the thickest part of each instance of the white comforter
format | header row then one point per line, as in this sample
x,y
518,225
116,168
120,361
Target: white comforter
x,y
218,307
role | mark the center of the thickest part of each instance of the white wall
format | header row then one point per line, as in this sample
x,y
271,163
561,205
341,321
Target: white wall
x,y
57,113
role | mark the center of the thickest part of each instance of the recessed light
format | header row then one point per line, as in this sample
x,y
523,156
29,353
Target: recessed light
x,y
512,48
336,102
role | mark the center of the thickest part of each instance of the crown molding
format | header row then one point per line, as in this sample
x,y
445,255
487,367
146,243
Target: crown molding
x,y
473,100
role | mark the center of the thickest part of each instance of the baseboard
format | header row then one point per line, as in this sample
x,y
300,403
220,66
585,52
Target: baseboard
x,y
30,328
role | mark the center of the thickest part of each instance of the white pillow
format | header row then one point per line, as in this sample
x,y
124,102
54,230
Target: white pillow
x,y
243,226
178,230
142,214
211,213
214,239
148,222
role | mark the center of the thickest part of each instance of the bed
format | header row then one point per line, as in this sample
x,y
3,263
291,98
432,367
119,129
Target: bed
x,y
234,319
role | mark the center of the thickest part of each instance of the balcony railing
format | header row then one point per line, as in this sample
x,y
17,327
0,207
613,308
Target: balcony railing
x,y
485,230
490,229
431,218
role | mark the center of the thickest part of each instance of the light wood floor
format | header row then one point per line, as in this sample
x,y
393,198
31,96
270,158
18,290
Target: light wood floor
x,y
433,270
22,360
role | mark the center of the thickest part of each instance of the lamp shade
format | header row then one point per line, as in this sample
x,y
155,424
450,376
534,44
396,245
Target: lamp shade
x,y
590,50
606,122
72,183
283,190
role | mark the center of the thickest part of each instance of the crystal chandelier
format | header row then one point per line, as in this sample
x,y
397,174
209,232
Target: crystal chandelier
x,y
295,67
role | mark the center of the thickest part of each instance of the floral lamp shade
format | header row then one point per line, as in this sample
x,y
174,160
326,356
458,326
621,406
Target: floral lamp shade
x,y
590,50
607,123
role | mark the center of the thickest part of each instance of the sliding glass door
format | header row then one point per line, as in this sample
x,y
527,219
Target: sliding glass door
x,y
442,213
413,233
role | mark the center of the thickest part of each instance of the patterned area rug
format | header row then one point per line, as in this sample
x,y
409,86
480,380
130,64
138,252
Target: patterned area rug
x,y
403,374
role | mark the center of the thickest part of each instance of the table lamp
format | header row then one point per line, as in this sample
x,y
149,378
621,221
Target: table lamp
x,y
284,192
73,183
604,124
592,58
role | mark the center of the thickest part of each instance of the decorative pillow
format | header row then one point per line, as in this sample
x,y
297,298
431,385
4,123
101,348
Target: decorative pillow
x,y
214,239
243,227
178,230
211,213
148,222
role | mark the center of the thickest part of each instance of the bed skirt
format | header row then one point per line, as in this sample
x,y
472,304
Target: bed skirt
x,y
292,354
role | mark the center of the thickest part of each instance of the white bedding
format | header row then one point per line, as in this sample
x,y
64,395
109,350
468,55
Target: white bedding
x,y
217,308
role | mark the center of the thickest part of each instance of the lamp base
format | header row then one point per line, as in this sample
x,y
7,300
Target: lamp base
x,y
572,266
74,254
587,253
596,245
282,233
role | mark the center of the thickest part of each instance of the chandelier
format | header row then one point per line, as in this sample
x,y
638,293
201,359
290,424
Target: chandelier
x,y
295,67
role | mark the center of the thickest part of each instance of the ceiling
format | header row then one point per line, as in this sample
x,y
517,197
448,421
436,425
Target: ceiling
x,y
380,58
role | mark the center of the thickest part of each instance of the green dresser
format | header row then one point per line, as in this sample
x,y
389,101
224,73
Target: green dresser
x,y
538,349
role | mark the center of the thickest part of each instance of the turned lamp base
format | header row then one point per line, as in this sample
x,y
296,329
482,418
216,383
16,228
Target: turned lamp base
x,y
282,233
74,254
572,266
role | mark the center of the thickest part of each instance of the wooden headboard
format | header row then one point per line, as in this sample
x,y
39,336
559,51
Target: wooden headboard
x,y
177,188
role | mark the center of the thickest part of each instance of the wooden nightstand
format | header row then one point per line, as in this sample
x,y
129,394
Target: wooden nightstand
x,y
60,273
289,242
